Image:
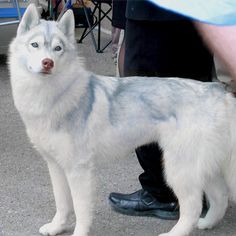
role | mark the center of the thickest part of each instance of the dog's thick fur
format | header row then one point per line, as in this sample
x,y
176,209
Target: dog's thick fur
x,y
72,115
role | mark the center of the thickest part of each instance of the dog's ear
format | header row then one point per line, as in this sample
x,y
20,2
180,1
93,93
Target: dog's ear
x,y
29,20
67,24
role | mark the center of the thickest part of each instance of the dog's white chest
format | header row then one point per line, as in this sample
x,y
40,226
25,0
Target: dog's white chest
x,y
55,144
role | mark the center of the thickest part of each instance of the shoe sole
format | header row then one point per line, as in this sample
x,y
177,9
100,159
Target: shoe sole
x,y
164,215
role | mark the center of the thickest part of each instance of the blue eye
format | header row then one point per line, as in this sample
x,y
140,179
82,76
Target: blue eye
x,y
34,45
58,48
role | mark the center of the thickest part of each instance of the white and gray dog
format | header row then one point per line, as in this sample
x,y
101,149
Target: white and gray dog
x,y
73,116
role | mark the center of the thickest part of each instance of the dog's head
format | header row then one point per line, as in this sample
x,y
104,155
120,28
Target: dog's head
x,y
43,47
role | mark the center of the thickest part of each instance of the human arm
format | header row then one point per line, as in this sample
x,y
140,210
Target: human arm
x,y
222,41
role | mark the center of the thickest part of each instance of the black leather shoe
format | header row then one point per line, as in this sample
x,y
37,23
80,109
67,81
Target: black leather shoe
x,y
142,203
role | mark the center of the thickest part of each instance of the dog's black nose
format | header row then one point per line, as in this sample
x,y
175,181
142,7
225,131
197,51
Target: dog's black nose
x,y
47,63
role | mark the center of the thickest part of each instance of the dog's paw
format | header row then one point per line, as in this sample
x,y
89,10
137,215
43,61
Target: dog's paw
x,y
51,229
80,232
172,234
204,224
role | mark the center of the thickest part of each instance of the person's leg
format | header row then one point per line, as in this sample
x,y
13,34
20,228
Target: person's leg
x,y
118,21
115,36
155,199
164,49
152,179
142,59
121,56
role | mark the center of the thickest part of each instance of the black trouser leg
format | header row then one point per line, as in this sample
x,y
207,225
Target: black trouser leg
x,y
152,179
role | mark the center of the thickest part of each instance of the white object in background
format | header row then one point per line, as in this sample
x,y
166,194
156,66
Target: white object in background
x,y
219,12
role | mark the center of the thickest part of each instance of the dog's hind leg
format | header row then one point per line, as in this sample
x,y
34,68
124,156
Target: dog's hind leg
x,y
217,195
63,201
182,176
80,181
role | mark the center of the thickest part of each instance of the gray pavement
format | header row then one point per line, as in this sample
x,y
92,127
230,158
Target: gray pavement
x,y
26,198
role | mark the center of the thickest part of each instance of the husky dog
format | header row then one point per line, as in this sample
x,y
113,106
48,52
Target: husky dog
x,y
72,116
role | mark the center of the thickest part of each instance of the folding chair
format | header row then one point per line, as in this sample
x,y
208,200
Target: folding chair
x,y
99,15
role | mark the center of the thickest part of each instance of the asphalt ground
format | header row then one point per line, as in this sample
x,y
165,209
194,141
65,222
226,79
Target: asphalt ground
x,y
26,198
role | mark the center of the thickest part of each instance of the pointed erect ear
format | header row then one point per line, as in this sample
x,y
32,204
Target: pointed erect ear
x,y
67,24
29,19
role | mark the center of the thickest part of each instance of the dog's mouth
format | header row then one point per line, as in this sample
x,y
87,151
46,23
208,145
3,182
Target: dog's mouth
x,y
45,72
41,71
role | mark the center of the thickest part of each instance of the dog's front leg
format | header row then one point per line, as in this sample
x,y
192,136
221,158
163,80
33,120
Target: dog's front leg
x,y
64,205
80,181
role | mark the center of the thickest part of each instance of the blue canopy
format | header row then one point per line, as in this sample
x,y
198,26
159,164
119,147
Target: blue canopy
x,y
219,12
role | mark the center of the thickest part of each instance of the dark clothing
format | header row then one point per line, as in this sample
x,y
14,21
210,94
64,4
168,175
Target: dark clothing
x,y
144,10
166,49
162,48
118,13
152,179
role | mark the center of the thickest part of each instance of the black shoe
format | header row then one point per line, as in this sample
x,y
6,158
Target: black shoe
x,y
142,203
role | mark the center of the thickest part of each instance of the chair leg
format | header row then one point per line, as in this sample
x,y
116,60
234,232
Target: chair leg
x,y
90,27
82,36
18,9
100,18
